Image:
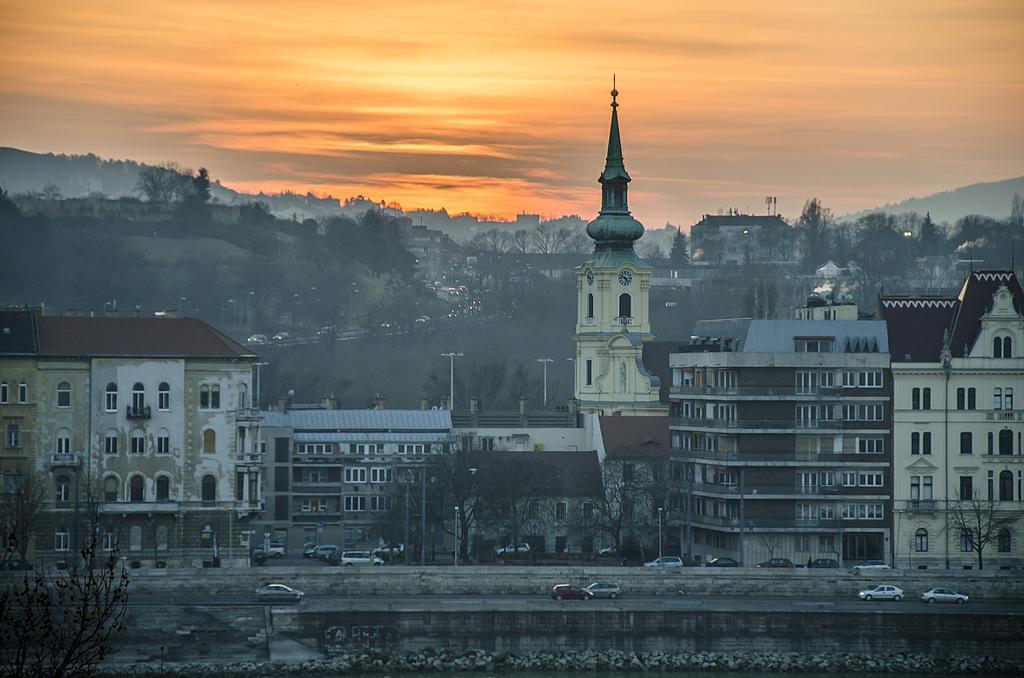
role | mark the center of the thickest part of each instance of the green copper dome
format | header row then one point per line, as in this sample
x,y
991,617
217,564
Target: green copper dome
x,y
614,227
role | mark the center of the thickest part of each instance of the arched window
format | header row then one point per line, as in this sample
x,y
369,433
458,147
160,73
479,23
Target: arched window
x,y
138,442
1003,540
161,537
215,397
110,398
163,442
63,492
163,396
1006,486
163,488
590,305
204,397
243,396
921,540
209,441
209,488
997,347
625,305
136,488
63,394
138,397
1006,441
110,484
63,442
1007,347
135,538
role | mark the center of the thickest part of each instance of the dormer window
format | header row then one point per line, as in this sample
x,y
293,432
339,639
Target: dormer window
x,y
1002,347
813,345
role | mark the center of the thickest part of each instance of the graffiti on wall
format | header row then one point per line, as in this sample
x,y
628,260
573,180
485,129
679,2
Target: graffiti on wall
x,y
339,639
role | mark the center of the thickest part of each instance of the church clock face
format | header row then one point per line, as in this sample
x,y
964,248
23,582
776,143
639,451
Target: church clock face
x,y
625,277
590,277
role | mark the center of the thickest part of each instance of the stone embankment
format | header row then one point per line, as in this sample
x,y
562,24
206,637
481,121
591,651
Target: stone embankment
x,y
427,661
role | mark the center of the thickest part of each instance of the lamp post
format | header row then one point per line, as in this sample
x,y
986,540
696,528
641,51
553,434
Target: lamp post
x,y
405,545
907,235
661,511
544,362
451,378
456,536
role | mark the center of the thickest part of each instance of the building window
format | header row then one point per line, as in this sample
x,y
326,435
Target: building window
x,y
926,487
63,489
588,510
13,435
209,441
997,398
965,541
161,537
355,503
590,305
972,398
380,475
915,443
960,398
63,394
109,540
63,442
22,393
138,442
163,396
1007,347
136,488
966,488
1006,486
1006,441
926,399
590,372
870,480
209,488
215,397
380,502
915,399
1008,399
921,540
1003,541
243,396
413,449
163,488
163,443
1002,347
355,474
3,393
110,442
110,398
135,538
966,445
561,509
204,397
926,443
625,305
138,397
110,488
62,539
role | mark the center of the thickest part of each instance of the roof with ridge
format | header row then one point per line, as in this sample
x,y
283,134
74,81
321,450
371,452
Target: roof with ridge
x,y
80,336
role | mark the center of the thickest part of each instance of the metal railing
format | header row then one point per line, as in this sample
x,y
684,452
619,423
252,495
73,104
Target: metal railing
x,y
144,412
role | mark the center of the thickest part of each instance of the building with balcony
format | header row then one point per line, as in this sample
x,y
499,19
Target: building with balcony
x,y
141,430
333,476
957,428
780,443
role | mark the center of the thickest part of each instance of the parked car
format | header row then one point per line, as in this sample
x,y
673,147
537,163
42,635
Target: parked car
x,y
883,592
665,561
271,592
512,548
722,562
274,551
608,551
824,563
776,562
570,592
257,339
943,596
604,589
355,558
320,551
872,565
308,548
389,551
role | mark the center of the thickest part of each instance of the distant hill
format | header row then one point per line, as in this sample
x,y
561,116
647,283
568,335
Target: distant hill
x,y
988,199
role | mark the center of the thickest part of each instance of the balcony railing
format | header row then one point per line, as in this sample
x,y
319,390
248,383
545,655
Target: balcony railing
x,y
136,507
760,456
755,391
1004,415
65,459
249,413
920,505
776,424
144,412
752,490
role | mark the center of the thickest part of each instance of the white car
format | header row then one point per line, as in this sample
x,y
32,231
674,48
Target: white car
x,y
665,561
512,548
872,565
275,551
271,592
257,339
883,592
358,558
943,596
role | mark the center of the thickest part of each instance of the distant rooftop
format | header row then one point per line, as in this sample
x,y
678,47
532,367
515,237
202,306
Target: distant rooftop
x,y
744,335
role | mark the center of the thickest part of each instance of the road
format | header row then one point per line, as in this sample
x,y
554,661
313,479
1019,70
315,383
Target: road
x,y
519,603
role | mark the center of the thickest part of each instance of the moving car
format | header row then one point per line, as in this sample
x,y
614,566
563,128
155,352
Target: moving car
x,y
355,558
872,565
608,551
824,563
883,592
281,336
257,339
604,589
722,562
943,596
776,562
570,592
271,592
512,548
665,561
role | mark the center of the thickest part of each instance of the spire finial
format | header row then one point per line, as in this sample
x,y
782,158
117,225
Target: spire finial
x,y
615,93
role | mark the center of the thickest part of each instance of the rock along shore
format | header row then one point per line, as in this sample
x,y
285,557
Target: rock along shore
x,y
445,661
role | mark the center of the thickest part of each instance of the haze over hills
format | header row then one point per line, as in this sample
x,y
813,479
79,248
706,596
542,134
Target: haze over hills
x,y
75,176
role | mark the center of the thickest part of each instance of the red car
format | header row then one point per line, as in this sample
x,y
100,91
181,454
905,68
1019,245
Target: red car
x,y
776,562
570,592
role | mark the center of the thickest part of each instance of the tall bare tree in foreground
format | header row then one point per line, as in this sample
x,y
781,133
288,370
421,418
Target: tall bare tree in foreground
x,y
980,521
20,507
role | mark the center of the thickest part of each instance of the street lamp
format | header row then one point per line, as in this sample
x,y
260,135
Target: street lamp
x,y
451,378
907,235
660,512
544,362
456,536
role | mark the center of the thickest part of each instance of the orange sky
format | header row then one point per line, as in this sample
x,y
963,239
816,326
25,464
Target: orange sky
x,y
501,107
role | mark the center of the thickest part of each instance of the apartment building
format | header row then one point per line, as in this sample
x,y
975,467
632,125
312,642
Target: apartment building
x,y
780,439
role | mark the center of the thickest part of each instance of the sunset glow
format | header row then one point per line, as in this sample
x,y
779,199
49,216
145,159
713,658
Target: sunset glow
x,y
499,108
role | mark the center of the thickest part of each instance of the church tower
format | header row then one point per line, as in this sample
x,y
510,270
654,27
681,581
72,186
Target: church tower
x,y
613,298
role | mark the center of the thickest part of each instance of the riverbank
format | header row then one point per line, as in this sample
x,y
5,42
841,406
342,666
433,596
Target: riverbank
x,y
441,662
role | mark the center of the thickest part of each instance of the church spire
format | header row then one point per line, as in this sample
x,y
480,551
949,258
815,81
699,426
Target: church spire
x,y
614,158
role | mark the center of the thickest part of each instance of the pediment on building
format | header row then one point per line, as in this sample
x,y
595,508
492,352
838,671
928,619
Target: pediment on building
x,y
922,464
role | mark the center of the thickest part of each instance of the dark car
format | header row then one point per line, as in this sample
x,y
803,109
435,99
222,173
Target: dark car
x,y
825,563
722,562
570,592
776,562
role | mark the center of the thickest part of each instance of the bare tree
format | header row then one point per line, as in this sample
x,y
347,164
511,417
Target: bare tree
x,y
519,241
771,543
20,508
511,492
980,521
627,503
164,183
65,624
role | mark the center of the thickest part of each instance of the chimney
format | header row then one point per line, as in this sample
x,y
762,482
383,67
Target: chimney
x,y
282,404
522,406
330,403
424,403
445,403
378,402
474,405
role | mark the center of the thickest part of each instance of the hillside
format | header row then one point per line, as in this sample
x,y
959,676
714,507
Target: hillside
x,y
988,199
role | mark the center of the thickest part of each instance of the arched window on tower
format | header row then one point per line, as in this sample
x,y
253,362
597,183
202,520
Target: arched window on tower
x,y
921,540
590,305
997,347
625,305
1007,347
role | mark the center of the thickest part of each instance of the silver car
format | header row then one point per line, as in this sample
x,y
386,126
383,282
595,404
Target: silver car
x,y
605,589
943,596
665,561
272,592
883,592
872,565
